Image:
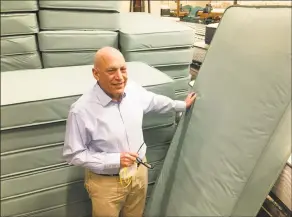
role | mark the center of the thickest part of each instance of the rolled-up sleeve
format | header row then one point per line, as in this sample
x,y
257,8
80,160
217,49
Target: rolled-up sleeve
x,y
76,150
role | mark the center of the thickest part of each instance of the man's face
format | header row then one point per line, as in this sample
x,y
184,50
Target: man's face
x,y
112,75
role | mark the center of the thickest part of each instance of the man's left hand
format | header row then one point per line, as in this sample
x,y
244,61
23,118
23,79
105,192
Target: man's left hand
x,y
190,99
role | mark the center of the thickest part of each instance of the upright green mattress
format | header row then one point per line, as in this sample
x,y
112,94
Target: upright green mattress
x,y
231,146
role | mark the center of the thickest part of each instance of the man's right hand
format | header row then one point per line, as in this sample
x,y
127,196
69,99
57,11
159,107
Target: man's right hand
x,y
127,159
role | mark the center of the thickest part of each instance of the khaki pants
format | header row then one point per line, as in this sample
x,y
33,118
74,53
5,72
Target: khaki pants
x,y
110,197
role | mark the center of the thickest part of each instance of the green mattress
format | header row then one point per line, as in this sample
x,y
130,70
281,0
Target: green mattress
x,y
85,5
53,41
231,146
13,45
182,84
67,58
73,48
158,58
45,155
20,62
51,102
12,6
78,20
19,52
19,24
143,31
175,71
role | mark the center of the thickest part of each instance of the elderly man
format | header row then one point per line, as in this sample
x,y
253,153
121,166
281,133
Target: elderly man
x,y
104,134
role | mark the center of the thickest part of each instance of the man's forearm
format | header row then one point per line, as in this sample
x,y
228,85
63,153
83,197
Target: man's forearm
x,y
96,162
163,104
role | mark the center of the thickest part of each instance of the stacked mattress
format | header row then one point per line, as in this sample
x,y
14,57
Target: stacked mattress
x,y
35,179
19,27
210,31
200,46
72,31
200,51
200,30
230,148
161,43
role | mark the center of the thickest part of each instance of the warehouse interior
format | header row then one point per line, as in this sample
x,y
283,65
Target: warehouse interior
x,y
229,155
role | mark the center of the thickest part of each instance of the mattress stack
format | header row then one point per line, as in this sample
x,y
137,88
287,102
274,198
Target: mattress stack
x,y
35,179
200,51
161,43
210,31
200,30
199,48
72,31
18,35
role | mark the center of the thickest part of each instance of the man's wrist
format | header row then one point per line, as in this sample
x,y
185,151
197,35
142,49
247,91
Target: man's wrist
x,y
113,161
180,106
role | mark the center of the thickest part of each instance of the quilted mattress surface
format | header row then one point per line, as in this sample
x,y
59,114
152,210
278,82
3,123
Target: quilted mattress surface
x,y
76,40
53,98
19,24
78,20
240,124
167,57
142,31
8,6
86,5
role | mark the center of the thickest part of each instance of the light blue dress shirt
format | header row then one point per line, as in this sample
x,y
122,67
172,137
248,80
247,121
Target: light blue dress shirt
x,y
99,129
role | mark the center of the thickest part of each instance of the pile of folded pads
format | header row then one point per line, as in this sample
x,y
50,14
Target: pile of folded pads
x,y
19,27
163,44
72,31
35,179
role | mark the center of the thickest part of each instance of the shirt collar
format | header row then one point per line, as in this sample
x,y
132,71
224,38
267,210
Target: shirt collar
x,y
103,97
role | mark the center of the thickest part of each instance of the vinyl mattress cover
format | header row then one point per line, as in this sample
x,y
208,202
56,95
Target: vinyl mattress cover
x,y
165,57
19,24
86,5
71,40
67,58
143,31
13,45
78,20
18,6
45,102
20,62
240,124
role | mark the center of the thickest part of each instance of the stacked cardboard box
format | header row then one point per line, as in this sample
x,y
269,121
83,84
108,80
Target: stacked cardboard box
x,y
19,27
